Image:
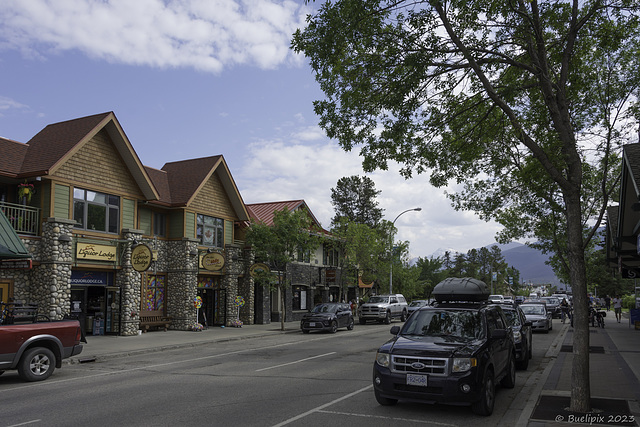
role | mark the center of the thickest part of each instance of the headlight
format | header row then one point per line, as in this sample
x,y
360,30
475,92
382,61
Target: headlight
x,y
517,336
463,364
383,359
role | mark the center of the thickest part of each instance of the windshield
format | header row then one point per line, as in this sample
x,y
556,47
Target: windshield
x,y
418,304
551,301
512,317
455,323
379,299
324,308
532,309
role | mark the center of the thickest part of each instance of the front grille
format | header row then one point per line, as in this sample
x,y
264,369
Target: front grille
x,y
420,365
370,310
417,389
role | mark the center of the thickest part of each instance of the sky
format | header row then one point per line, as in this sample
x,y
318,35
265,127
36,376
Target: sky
x,y
198,78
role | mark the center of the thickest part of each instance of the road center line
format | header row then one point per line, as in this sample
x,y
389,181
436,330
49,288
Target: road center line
x,y
297,361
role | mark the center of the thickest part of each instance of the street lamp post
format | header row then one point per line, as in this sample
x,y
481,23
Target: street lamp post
x,y
391,248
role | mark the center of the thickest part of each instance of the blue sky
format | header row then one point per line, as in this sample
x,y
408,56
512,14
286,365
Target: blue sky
x,y
196,78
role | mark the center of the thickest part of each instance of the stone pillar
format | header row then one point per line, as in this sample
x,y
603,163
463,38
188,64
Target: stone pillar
x,y
182,282
129,281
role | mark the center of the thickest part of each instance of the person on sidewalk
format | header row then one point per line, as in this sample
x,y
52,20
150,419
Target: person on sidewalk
x,y
617,307
607,302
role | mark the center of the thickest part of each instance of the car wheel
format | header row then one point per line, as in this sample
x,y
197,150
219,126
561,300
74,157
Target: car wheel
x,y
334,327
387,319
305,331
350,325
485,405
509,380
404,316
383,400
529,345
37,364
524,363
362,321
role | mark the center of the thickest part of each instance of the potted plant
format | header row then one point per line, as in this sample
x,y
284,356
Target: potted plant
x,y
25,191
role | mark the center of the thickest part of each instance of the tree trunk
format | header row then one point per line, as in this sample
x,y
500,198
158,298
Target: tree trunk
x,y
580,383
283,310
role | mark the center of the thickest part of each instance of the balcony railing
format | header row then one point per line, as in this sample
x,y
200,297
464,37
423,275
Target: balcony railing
x,y
23,219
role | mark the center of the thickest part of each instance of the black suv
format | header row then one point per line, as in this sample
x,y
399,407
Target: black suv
x,y
453,352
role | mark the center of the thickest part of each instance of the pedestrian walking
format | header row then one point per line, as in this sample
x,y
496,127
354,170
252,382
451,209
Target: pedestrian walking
x,y
617,307
607,302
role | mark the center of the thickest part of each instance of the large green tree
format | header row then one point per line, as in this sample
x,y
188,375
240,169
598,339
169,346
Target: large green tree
x,y
502,97
354,199
278,245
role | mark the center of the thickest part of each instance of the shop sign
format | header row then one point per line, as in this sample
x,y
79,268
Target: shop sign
x,y
330,275
141,257
95,252
15,264
94,278
258,268
213,261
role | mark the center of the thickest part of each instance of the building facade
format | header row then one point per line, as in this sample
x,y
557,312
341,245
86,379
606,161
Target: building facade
x,y
87,210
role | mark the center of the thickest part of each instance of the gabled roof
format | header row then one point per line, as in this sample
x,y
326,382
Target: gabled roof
x,y
179,182
50,148
13,154
264,212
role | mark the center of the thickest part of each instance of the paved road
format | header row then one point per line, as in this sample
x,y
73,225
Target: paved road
x,y
290,379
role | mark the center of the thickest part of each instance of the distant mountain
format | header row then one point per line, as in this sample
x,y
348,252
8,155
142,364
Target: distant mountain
x,y
528,261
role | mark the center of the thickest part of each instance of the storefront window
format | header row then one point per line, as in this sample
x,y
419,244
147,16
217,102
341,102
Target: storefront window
x,y
299,297
154,292
159,224
210,231
96,211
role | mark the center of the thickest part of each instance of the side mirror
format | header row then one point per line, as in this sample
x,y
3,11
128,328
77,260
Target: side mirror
x,y
499,334
395,330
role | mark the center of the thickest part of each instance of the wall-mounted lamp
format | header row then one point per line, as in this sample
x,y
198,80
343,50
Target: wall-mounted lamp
x,y
209,250
134,243
64,238
193,252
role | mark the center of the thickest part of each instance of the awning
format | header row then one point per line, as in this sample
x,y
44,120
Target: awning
x,y
11,246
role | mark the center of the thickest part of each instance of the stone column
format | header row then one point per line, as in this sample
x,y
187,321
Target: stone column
x,y
129,281
182,282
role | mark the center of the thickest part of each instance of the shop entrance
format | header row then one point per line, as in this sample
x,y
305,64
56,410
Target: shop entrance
x,y
212,312
4,291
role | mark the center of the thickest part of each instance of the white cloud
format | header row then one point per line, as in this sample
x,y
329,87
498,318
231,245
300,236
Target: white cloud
x,y
207,35
276,171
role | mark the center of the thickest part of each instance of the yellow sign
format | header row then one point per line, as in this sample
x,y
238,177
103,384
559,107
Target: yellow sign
x,y
141,258
95,252
213,261
258,268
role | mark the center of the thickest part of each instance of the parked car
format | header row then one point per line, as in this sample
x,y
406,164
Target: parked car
x,y
538,315
452,352
35,348
509,299
522,334
327,316
416,304
496,298
553,305
383,308
519,299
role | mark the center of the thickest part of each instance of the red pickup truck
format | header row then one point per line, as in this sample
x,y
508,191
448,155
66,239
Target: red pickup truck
x,y
36,349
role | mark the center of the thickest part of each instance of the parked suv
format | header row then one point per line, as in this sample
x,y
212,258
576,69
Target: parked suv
x,y
453,352
383,308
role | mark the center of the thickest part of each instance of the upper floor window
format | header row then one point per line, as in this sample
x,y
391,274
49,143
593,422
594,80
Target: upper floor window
x,y
96,211
210,231
330,256
304,256
159,224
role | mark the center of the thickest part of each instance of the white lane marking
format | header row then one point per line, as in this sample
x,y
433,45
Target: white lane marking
x,y
321,407
294,362
350,414
25,423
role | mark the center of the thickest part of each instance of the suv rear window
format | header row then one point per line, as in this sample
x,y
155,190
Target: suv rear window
x,y
463,324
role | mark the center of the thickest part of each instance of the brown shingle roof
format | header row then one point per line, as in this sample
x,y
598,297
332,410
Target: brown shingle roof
x,y
187,176
13,154
56,140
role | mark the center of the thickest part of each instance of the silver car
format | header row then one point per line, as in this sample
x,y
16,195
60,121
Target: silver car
x,y
538,315
416,304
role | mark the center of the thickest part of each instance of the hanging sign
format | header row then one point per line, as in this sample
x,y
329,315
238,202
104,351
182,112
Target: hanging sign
x,y
213,261
141,258
258,268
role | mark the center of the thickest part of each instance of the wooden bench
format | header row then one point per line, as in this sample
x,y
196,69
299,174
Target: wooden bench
x,y
156,319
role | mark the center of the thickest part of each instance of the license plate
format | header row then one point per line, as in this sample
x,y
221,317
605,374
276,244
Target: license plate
x,y
419,380
312,324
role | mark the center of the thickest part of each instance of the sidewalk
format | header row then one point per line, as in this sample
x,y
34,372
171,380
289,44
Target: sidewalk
x,y
614,367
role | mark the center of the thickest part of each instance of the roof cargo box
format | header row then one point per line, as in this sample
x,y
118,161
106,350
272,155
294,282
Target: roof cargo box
x,y
461,289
